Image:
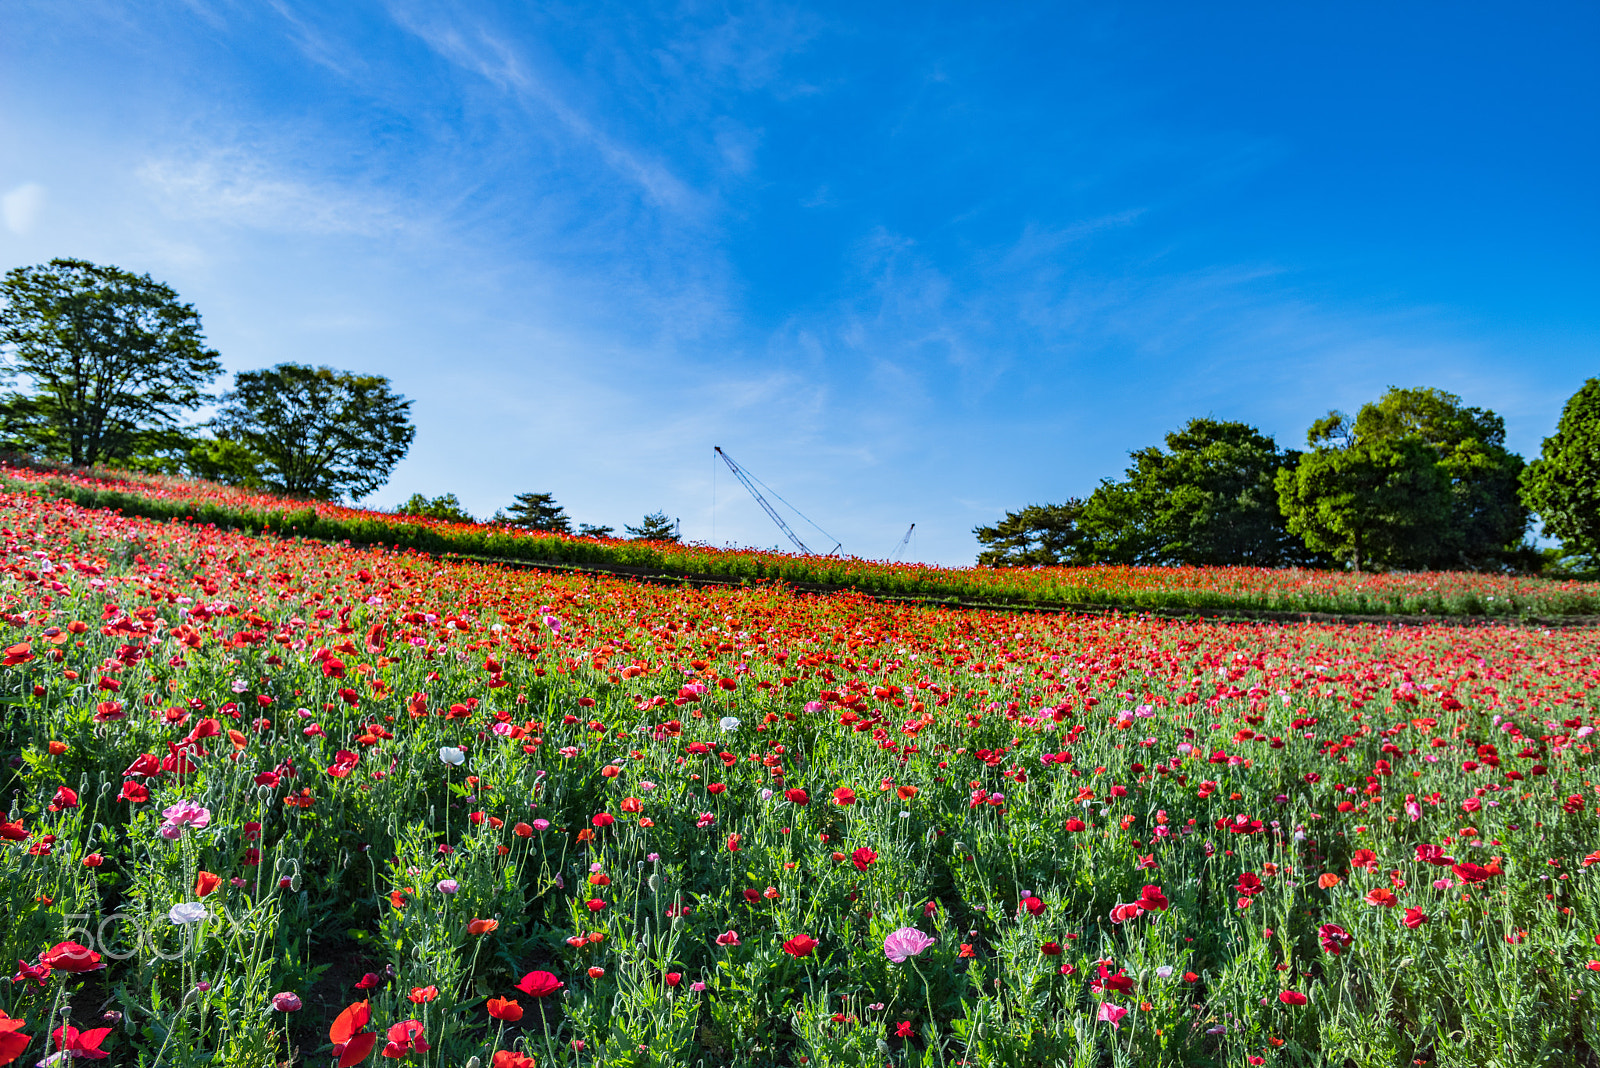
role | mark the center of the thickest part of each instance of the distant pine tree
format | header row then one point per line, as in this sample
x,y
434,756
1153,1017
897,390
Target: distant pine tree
x,y
653,527
536,511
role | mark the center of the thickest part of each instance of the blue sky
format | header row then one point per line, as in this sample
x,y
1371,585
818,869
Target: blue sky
x,y
908,263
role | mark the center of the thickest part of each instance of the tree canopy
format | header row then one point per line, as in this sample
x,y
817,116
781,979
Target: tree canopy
x,y
653,527
1563,484
536,511
1040,534
446,506
1207,498
313,431
111,360
1416,480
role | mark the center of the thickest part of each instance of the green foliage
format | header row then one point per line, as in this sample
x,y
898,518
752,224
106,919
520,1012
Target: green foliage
x,y
1416,480
1487,518
318,432
593,530
1207,499
1563,485
446,507
653,527
224,460
1040,534
536,511
1382,503
111,358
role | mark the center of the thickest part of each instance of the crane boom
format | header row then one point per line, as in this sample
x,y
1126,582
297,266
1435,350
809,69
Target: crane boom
x,y
738,473
898,549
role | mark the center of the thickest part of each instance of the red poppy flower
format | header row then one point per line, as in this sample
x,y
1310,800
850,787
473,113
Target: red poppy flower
x,y
12,1040
1073,826
1151,899
1032,906
1104,981
903,1029
863,858
508,1009
800,946
71,957
1414,918
351,1044
506,1058
421,995
479,927
796,796
1291,997
404,1038
1335,939
539,984
206,883
1381,895
84,1044
844,796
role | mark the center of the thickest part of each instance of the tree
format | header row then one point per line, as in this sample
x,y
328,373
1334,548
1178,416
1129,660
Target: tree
x,y
653,527
592,530
1416,480
111,357
1207,499
1563,484
1487,521
446,507
314,431
1039,534
1381,502
536,511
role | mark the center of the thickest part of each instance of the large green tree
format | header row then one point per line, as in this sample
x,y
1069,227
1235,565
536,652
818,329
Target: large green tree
x,y
109,361
313,431
1416,480
1563,484
1206,499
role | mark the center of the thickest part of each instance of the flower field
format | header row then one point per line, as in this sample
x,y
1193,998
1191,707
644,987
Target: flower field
x,y
1162,589
276,801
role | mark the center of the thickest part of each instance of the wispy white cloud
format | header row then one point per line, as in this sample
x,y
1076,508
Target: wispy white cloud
x,y
233,187
495,58
21,207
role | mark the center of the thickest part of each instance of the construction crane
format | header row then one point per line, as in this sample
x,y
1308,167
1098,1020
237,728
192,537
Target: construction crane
x,y
749,481
898,549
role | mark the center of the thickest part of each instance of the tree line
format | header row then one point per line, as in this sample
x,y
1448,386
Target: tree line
x,y
1416,480
103,366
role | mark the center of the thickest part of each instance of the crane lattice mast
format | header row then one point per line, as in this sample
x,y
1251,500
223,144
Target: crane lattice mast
x,y
739,473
